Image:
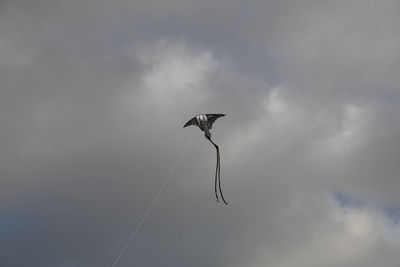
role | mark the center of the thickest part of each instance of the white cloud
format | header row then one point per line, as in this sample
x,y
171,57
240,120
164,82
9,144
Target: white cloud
x,y
346,237
280,123
348,134
175,74
281,111
173,66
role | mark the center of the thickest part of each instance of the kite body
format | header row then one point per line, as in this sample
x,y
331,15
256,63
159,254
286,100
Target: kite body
x,y
205,122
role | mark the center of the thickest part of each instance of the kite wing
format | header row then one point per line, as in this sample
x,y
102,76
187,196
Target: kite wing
x,y
211,118
192,121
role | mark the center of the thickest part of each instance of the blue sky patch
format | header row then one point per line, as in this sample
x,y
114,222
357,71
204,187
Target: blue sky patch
x,y
15,224
393,213
346,200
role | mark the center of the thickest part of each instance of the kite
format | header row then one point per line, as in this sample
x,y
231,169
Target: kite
x,y
205,122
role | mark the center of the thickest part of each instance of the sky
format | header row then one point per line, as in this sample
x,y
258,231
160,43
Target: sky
x,y
93,98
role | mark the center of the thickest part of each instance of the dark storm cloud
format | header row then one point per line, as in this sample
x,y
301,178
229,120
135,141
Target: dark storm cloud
x,y
94,96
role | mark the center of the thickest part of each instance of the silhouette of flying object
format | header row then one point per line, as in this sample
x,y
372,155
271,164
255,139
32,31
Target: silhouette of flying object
x,y
205,122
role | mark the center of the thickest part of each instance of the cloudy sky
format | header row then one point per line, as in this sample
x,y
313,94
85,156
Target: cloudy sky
x,y
93,97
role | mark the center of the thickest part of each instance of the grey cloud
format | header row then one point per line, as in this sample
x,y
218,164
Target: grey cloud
x,y
94,96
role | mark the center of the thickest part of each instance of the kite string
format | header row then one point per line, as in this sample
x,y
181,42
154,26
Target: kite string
x,y
154,201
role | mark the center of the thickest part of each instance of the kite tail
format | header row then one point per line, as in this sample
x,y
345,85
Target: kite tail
x,y
218,173
216,180
219,176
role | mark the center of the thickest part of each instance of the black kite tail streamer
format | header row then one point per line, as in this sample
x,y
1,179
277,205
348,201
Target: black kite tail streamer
x,y
218,174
